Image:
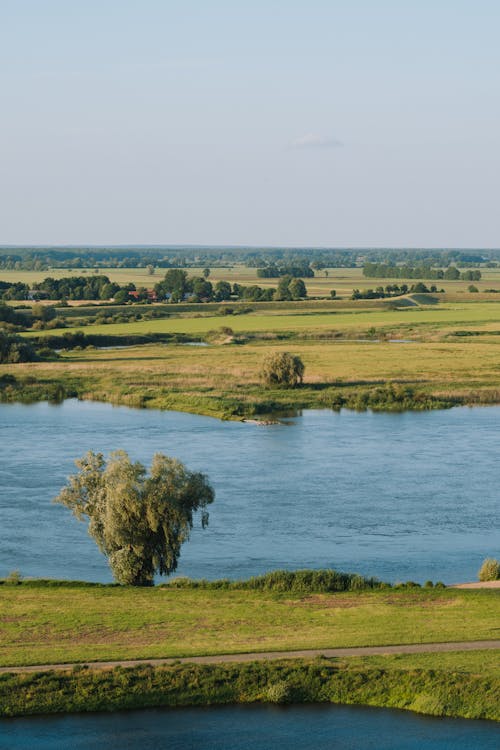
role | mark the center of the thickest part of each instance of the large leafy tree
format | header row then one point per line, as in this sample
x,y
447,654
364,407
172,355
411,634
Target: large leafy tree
x,y
139,521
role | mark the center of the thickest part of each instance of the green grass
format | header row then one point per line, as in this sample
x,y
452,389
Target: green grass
x,y
81,623
463,314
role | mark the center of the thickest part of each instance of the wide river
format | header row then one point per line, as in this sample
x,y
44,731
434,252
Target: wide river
x,y
400,496
305,727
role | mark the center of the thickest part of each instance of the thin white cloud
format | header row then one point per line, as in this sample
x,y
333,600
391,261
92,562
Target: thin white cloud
x,y
314,140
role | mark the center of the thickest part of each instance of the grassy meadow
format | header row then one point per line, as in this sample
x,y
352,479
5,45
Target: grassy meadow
x,y
83,623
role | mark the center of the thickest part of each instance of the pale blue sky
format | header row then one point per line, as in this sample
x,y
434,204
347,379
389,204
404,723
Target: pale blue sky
x,y
322,123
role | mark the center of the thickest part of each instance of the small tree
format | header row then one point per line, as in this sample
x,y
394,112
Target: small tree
x,y
282,368
490,570
138,521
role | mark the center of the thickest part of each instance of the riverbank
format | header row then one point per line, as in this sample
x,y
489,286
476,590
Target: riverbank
x,y
473,693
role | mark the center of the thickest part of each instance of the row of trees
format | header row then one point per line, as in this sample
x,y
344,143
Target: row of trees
x,y
387,271
300,269
177,286
393,290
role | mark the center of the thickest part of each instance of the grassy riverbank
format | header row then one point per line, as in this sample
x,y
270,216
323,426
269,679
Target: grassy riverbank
x,y
48,624
223,380
448,689
414,357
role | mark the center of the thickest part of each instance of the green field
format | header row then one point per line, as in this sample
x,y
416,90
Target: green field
x,y
43,624
485,315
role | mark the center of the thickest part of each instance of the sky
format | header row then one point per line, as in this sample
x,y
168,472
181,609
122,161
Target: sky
x,y
332,123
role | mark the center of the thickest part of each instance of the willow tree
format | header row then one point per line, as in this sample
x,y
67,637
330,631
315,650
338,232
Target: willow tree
x,y
282,368
139,521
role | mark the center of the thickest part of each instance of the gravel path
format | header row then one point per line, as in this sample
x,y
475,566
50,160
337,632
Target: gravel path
x,y
414,648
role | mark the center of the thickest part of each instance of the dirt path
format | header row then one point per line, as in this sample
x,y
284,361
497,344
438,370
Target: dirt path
x,y
477,585
414,648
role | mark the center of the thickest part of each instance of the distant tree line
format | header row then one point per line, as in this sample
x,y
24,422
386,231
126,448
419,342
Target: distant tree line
x,y
178,256
386,271
297,270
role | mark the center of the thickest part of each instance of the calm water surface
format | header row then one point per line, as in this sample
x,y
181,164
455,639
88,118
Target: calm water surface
x,y
319,727
400,496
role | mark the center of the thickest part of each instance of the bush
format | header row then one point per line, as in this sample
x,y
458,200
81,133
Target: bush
x,y
490,570
294,581
282,368
14,578
278,692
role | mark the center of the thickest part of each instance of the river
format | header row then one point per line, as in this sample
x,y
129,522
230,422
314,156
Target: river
x,y
401,496
253,727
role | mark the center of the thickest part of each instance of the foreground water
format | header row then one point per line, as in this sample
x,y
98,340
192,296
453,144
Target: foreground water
x,y
401,496
318,727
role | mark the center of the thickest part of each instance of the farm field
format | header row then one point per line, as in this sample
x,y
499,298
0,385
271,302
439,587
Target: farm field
x,y
66,623
343,280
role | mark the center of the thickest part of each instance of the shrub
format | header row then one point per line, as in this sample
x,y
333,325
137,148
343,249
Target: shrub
x,y
490,570
278,692
14,578
282,368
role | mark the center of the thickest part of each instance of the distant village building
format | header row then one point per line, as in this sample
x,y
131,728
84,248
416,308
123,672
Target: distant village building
x,y
150,293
